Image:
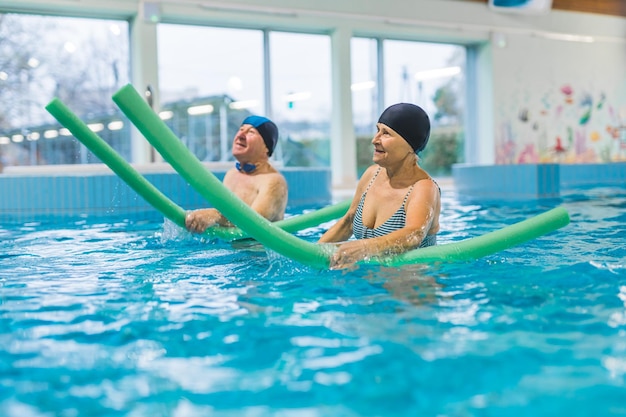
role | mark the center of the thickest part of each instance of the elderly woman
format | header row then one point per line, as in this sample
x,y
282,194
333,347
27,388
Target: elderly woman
x,y
396,204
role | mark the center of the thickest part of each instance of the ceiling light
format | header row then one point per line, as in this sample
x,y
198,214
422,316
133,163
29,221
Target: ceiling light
x,y
437,73
197,110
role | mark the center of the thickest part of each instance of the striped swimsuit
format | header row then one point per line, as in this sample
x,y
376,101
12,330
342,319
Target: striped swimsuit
x,y
393,223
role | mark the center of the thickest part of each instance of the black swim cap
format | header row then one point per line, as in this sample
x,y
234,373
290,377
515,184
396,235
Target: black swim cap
x,y
267,129
410,122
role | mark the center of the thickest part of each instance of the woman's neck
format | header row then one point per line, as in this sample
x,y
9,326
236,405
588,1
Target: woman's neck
x,y
405,172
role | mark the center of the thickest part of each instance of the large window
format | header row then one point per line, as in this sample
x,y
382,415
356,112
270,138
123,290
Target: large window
x,y
210,79
416,71
301,96
365,88
429,75
80,61
365,93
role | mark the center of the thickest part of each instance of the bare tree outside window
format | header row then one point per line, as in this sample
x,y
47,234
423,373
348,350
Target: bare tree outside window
x,y
80,61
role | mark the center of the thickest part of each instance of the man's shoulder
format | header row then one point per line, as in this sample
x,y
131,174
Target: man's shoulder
x,y
273,171
274,177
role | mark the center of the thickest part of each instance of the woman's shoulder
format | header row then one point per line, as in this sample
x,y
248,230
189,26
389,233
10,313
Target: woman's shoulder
x,y
425,182
366,178
369,172
424,188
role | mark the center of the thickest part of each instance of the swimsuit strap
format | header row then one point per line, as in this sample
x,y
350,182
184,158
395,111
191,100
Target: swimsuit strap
x,y
406,197
371,181
433,180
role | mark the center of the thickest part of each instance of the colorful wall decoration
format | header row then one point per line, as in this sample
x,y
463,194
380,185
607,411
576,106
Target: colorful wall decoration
x,y
568,124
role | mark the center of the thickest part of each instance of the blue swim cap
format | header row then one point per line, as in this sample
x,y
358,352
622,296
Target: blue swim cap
x,y
267,129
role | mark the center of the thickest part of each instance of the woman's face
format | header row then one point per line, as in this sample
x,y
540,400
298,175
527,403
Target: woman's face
x,y
389,146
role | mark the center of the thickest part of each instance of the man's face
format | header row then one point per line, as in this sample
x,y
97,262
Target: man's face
x,y
248,144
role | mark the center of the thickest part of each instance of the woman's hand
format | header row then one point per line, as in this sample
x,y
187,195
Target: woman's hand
x,y
349,253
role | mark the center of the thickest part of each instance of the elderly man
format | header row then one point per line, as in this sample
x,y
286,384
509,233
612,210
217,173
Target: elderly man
x,y
253,179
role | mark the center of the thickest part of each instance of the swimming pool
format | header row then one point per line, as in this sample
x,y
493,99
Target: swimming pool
x,y
124,317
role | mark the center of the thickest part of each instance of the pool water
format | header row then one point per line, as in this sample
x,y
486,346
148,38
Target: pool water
x,y
120,317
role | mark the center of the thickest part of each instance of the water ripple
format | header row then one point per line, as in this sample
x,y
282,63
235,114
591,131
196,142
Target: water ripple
x,y
143,319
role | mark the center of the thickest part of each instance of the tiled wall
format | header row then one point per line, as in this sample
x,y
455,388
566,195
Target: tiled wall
x,y
60,195
593,175
524,181
38,197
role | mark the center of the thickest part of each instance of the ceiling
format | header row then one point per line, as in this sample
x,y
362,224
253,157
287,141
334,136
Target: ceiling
x,y
607,7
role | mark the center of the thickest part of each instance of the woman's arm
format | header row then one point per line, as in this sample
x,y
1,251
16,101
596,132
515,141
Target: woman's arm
x,y
342,229
421,209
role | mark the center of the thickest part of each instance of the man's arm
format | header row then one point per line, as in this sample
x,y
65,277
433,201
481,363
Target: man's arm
x,y
271,200
198,221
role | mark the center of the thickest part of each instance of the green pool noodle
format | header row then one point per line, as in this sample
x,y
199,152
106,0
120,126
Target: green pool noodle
x,y
486,244
158,200
211,188
290,246
114,161
314,218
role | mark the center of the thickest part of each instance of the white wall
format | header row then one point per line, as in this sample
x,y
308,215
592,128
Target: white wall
x,y
528,72
550,92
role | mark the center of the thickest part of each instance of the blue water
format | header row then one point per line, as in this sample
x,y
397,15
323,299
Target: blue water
x,y
120,317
